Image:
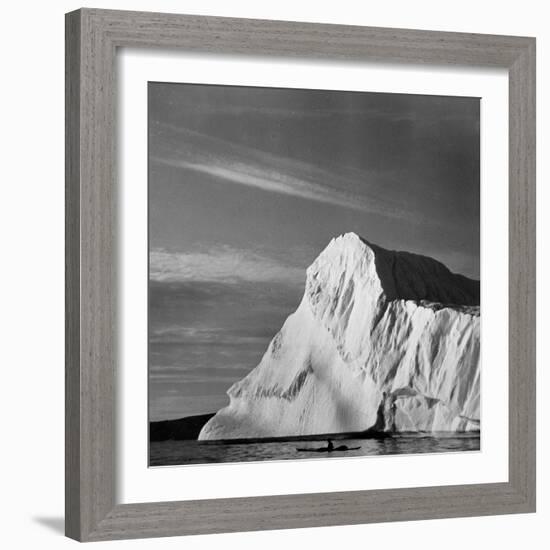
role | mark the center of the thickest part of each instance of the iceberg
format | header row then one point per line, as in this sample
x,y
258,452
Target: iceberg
x,y
381,341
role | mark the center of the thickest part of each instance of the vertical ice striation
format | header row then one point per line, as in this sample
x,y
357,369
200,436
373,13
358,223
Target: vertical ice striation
x,y
381,339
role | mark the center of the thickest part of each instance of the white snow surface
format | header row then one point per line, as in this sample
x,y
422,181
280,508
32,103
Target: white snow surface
x,y
381,340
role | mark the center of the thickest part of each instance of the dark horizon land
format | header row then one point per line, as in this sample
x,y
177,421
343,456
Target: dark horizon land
x,y
246,188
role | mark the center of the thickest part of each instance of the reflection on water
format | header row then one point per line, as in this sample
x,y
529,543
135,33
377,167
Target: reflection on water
x,y
171,453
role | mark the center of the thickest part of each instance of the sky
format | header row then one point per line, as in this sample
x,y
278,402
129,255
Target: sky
x,y
248,185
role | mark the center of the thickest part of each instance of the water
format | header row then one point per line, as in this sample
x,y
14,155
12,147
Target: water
x,y
172,453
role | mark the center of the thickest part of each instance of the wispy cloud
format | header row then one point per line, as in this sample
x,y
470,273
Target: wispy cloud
x,y
236,164
272,181
221,264
206,335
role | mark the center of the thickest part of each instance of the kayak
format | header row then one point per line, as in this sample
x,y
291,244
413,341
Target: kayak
x,y
325,450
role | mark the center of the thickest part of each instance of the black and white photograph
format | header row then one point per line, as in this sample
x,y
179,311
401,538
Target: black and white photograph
x,y
314,274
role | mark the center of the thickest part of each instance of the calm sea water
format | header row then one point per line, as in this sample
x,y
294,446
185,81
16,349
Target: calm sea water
x,y
171,453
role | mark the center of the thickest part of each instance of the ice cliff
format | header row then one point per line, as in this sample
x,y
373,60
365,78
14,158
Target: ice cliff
x,y
381,340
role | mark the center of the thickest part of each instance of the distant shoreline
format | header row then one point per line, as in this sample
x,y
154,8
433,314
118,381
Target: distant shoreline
x,y
179,429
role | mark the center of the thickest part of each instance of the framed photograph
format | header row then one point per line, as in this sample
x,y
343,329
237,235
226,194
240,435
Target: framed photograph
x,y
300,275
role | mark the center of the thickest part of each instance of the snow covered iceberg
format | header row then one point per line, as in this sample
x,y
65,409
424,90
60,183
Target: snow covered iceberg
x,y
382,340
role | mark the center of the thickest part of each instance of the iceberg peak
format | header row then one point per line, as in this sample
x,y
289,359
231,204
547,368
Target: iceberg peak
x,y
400,275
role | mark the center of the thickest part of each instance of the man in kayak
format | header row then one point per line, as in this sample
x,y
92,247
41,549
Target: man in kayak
x,y
330,447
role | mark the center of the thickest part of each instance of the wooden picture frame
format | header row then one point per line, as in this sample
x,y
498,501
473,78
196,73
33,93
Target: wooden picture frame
x,y
92,39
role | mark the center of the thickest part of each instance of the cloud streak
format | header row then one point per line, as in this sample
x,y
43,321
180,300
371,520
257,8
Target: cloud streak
x,y
236,164
205,336
222,264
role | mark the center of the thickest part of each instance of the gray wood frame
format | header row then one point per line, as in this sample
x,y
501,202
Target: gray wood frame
x,y
92,38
